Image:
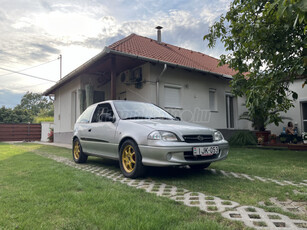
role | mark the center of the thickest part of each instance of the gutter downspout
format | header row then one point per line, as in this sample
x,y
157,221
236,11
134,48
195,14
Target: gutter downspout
x,y
158,85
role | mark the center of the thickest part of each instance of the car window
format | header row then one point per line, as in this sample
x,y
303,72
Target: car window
x,y
100,109
140,110
86,115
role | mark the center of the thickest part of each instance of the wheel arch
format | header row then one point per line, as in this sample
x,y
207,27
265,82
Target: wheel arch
x,y
123,140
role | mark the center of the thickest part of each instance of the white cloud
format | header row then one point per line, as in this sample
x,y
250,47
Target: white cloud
x,y
33,32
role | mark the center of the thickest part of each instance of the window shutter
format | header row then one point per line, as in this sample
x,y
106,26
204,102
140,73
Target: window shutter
x,y
172,97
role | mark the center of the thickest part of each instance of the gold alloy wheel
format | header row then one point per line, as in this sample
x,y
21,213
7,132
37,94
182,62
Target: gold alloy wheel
x,y
77,150
128,159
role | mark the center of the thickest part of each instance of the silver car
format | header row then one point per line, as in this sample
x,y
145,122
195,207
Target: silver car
x,y
142,134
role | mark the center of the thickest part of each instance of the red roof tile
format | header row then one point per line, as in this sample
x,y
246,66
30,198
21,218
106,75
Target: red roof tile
x,y
149,48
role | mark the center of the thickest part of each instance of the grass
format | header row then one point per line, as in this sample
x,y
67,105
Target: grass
x,y
279,165
39,193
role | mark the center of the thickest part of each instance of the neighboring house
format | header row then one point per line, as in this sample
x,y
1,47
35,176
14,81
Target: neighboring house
x,y
298,113
189,84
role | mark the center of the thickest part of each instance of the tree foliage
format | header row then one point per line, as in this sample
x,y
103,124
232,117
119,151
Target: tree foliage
x,y
266,42
36,103
16,115
32,106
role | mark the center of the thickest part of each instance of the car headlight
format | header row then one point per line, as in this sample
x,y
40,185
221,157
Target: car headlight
x,y
217,136
162,135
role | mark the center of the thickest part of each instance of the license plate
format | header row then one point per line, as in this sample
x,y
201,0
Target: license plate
x,y
205,151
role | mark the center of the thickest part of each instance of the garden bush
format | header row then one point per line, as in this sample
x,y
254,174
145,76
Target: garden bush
x,y
242,138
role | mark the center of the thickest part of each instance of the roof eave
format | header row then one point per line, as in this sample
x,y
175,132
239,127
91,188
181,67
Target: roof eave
x,y
75,72
108,50
228,77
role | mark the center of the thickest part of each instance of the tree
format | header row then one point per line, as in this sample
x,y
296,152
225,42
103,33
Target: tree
x,y
36,103
32,105
16,115
267,50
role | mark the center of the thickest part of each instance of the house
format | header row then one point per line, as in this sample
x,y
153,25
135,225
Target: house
x,y
189,84
298,113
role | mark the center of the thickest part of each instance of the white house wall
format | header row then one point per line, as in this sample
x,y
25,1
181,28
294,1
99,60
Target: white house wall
x,y
195,96
295,112
63,127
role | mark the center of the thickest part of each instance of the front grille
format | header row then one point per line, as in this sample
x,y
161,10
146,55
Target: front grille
x,y
198,138
188,156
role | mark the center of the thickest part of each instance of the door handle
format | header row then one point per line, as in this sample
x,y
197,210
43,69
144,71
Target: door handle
x,y
90,130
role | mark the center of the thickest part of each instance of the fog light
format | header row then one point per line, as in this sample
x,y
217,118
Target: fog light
x,y
168,156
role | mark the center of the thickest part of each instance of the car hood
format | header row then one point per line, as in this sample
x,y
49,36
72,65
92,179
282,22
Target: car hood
x,y
178,127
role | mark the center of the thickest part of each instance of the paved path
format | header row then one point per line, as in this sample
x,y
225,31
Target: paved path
x,y
249,215
258,178
222,172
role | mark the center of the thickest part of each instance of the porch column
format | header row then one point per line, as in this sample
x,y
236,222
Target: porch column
x,y
113,78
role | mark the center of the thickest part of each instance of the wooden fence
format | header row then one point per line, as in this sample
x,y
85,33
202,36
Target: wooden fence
x,y
20,132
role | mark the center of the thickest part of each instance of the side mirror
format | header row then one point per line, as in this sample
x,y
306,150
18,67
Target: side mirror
x,y
107,117
178,118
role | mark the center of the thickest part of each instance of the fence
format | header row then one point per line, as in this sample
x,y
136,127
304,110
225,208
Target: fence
x,y
20,132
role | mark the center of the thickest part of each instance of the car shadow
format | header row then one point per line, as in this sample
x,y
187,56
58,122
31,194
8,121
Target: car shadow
x,y
157,173
171,173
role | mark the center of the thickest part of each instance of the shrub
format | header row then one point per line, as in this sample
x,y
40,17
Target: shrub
x,y
50,135
242,138
43,119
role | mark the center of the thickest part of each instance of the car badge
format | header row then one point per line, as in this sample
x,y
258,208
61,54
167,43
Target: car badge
x,y
200,138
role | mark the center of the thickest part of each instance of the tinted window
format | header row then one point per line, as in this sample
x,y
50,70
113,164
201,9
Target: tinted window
x,y
86,115
102,108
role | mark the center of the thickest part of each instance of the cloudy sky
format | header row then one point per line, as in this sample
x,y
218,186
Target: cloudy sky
x,y
35,32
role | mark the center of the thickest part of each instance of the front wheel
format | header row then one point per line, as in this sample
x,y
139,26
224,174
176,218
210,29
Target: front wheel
x,y
77,153
200,166
130,160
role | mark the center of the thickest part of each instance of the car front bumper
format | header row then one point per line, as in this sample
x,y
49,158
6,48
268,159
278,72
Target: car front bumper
x,y
181,154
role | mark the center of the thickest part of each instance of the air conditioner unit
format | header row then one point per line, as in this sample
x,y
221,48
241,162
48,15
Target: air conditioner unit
x,y
125,76
137,77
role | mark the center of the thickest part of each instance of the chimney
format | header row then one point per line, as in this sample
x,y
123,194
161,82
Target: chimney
x,y
159,33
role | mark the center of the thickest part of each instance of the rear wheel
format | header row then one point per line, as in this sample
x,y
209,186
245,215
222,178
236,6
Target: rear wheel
x,y
130,160
78,155
200,166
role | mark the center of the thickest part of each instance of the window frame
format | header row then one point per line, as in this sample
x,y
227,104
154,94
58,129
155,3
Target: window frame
x,y
215,107
178,87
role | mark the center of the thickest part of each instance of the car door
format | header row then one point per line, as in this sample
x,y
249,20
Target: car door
x,y
100,133
83,124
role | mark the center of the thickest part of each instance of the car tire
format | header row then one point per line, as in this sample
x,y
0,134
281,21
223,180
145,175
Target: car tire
x,y
200,166
77,153
130,160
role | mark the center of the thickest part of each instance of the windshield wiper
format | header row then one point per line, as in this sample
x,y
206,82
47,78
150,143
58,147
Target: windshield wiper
x,y
161,118
135,118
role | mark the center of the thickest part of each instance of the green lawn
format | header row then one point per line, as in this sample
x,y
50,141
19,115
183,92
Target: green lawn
x,y
39,193
279,165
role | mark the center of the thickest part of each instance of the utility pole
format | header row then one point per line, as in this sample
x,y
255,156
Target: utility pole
x,y
60,57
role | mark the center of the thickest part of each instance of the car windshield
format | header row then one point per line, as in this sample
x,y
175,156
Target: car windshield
x,y
130,110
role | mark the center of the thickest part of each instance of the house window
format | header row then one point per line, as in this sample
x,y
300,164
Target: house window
x,y
172,96
212,100
229,111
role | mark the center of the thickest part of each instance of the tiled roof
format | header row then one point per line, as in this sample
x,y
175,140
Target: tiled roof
x,y
149,48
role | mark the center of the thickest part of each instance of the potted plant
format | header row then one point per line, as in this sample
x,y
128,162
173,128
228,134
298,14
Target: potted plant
x,y
272,138
261,118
